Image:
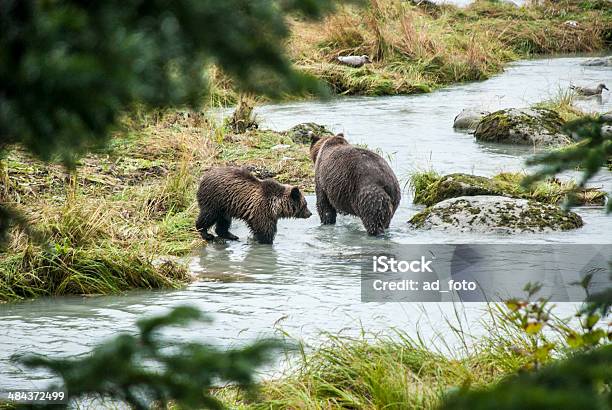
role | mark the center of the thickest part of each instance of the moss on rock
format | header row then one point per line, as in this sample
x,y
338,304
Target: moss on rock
x,y
300,134
437,189
430,188
524,126
495,214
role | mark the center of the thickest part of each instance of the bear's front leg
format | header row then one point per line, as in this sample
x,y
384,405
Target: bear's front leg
x,y
222,228
203,223
263,232
326,211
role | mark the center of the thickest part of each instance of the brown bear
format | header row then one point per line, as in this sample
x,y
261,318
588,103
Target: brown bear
x,y
230,192
353,181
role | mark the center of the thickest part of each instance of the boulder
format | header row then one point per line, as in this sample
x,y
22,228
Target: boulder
x,y
495,214
522,126
598,62
452,186
469,118
432,189
300,134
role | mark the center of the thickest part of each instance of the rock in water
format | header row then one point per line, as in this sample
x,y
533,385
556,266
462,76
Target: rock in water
x,y
455,185
598,62
301,133
469,118
495,214
523,126
437,189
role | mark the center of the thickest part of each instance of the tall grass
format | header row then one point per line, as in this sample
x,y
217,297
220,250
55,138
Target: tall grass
x,y
175,194
416,49
563,104
392,371
64,270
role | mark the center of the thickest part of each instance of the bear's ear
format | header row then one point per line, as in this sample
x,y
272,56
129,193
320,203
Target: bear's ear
x,y
341,135
272,188
295,193
313,138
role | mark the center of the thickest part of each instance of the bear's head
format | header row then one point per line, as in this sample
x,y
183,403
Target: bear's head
x,y
285,201
317,142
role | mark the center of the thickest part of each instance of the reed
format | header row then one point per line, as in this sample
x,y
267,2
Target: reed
x,y
392,370
441,46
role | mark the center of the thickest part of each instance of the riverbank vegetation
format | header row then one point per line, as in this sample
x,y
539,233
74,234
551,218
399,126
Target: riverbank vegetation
x,y
522,342
121,218
418,48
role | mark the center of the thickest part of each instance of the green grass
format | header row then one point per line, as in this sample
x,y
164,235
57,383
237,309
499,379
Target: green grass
x,y
430,188
390,371
64,270
563,104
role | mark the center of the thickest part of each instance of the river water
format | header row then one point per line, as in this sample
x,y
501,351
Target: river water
x,y
308,281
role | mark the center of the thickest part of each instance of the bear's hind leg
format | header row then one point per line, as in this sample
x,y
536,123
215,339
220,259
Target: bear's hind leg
x,y
326,211
203,223
375,211
222,228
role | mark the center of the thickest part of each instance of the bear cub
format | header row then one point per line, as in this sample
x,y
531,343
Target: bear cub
x,y
353,181
231,192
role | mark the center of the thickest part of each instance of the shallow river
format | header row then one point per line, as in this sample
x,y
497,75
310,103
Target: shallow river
x,y
308,281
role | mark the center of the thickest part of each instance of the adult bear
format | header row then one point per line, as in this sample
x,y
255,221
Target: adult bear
x,y
353,181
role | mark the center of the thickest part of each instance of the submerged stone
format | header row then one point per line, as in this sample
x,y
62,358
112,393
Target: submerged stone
x,y
598,62
300,134
495,214
469,118
523,126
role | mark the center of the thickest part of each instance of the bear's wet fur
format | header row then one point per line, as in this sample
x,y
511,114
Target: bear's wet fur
x,y
231,192
353,181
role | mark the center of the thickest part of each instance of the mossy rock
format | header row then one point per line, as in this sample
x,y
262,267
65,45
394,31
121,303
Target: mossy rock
x,y
469,118
300,134
431,188
495,214
523,126
452,186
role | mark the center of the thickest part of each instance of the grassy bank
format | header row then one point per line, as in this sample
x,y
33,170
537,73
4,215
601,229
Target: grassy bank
x,y
421,48
383,372
121,219
399,372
